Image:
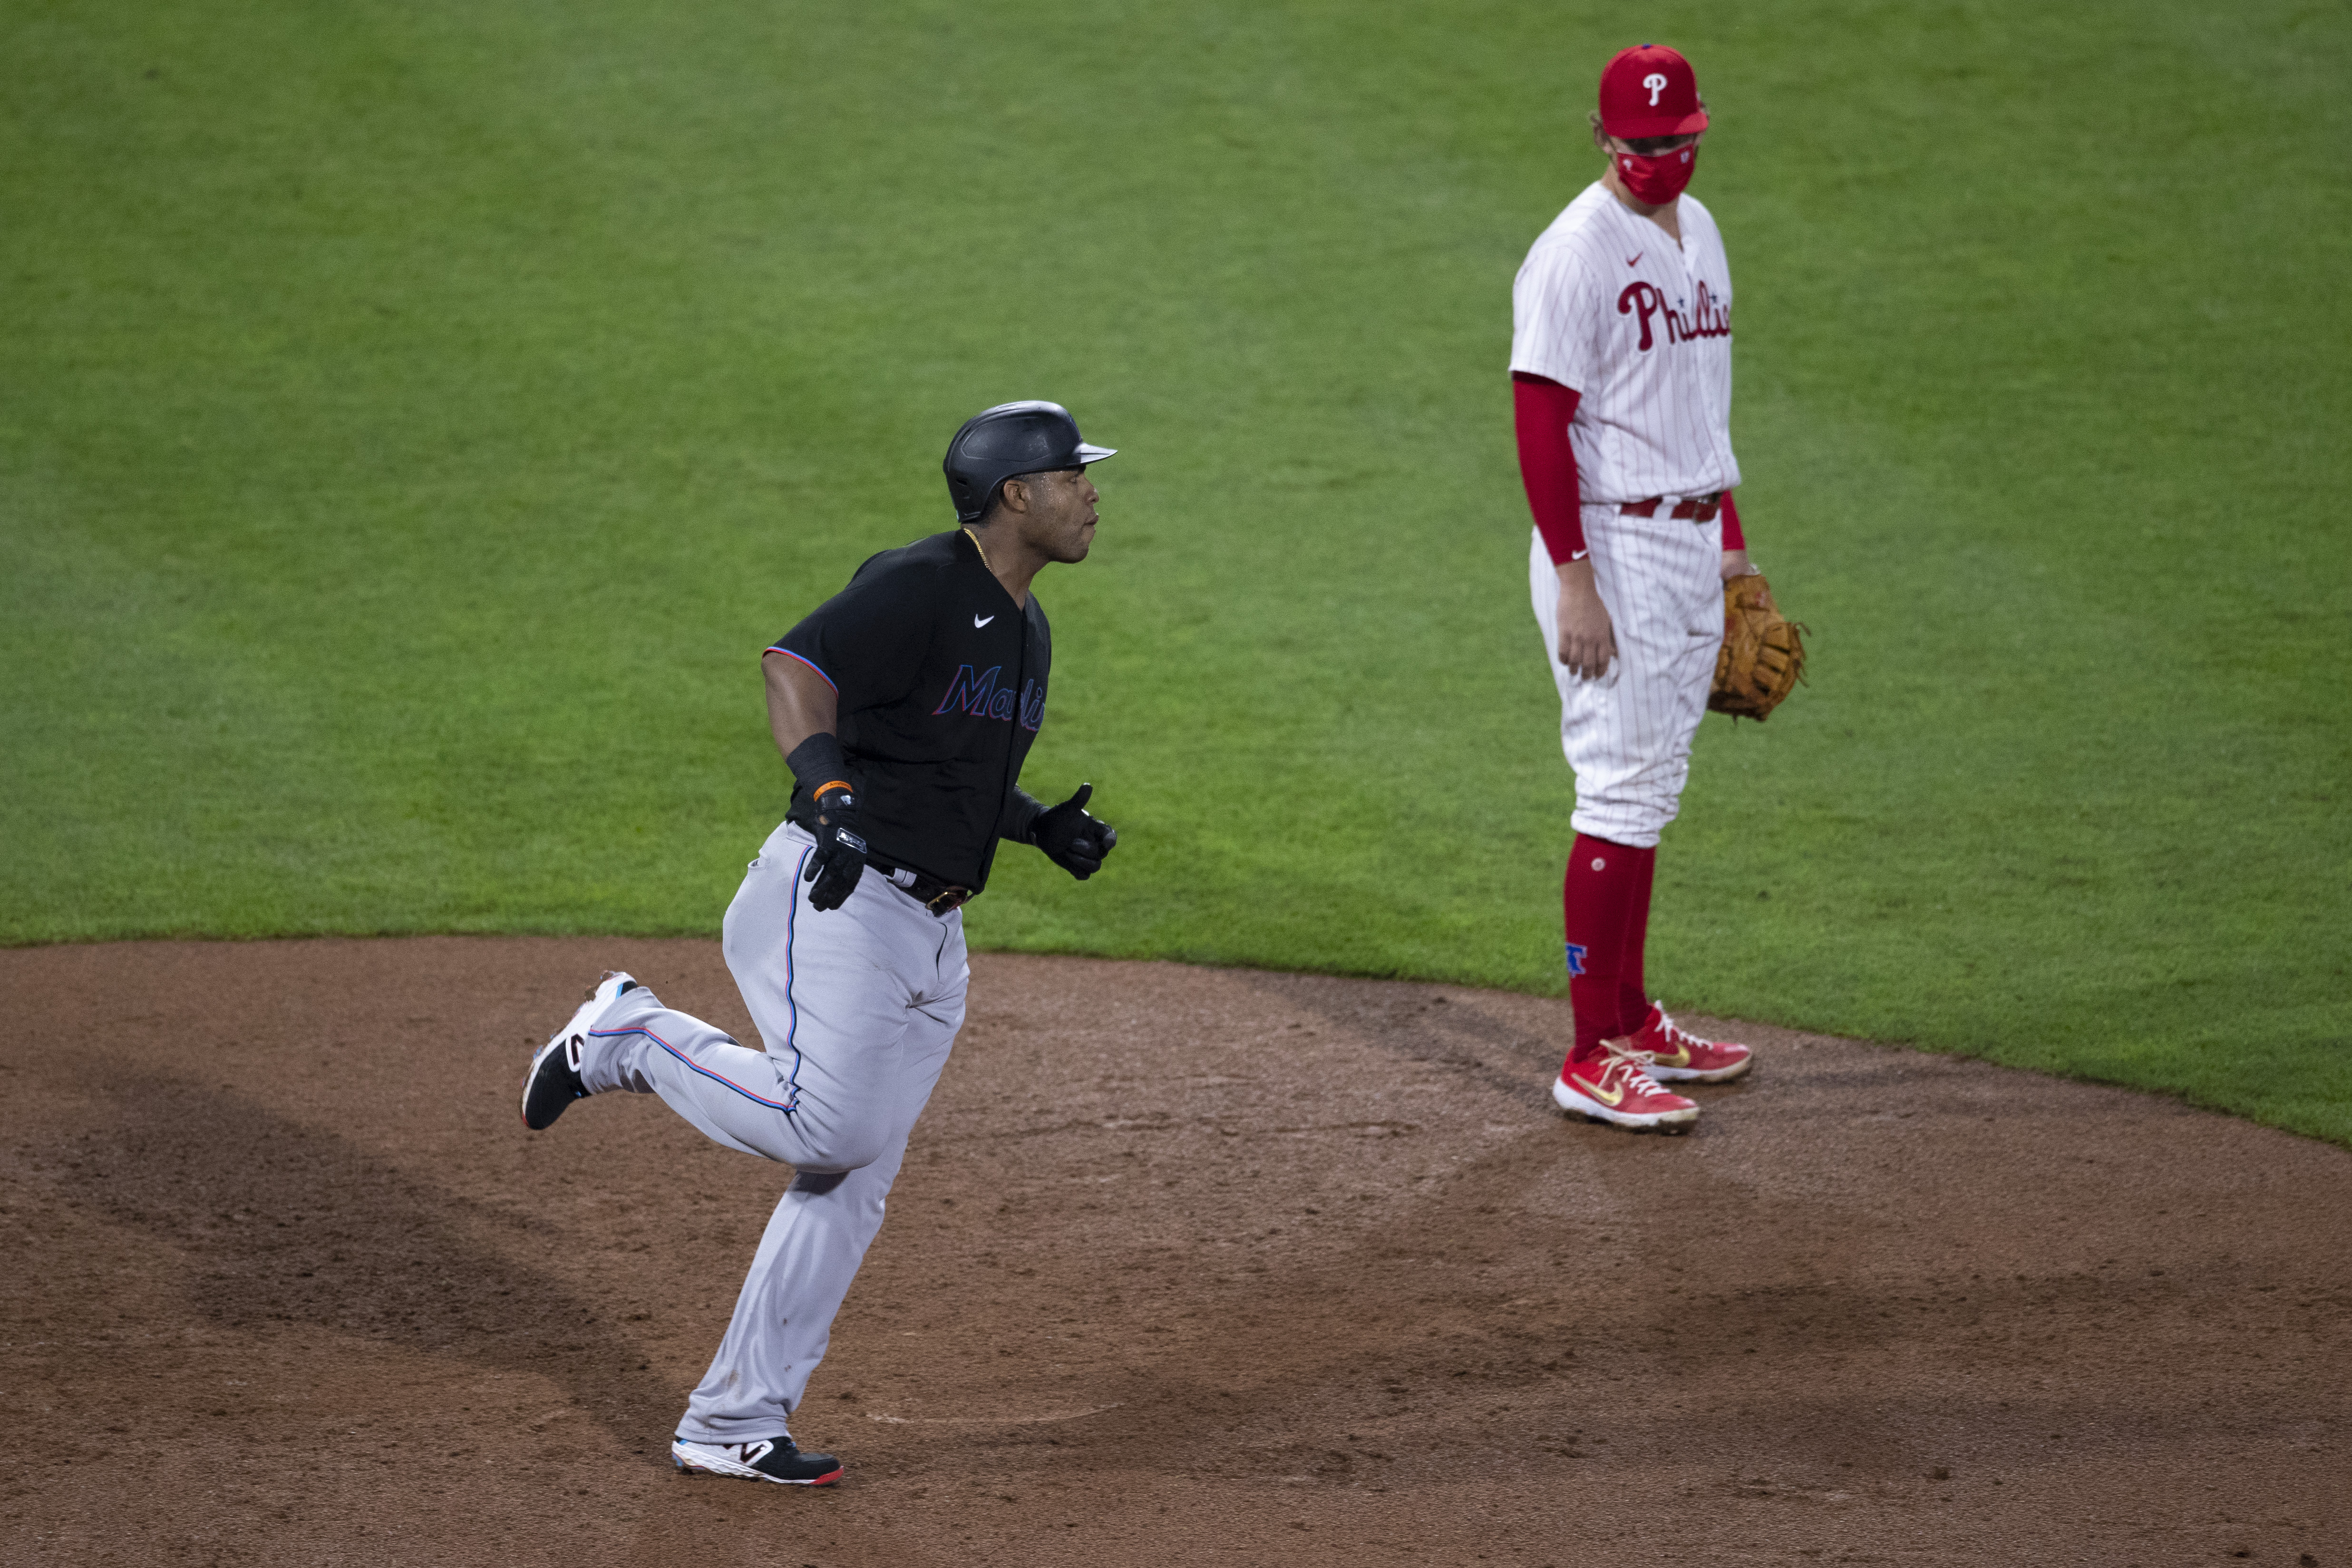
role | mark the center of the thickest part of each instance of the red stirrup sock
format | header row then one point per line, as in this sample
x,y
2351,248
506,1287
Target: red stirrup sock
x,y
1633,998
1594,899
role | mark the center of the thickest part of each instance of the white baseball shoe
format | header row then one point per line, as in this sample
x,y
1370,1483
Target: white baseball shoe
x,y
552,1079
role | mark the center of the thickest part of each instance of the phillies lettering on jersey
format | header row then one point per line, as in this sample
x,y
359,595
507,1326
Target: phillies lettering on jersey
x,y
1607,303
1706,319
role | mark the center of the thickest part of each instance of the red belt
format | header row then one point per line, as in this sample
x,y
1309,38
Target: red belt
x,y
1698,508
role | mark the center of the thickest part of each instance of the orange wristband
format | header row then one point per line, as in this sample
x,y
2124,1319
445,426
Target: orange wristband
x,y
838,784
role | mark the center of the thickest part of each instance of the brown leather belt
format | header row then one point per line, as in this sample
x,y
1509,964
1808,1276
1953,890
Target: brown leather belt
x,y
940,898
1698,508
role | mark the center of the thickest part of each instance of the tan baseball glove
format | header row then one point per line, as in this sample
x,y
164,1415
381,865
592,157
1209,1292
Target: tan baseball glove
x,y
1763,655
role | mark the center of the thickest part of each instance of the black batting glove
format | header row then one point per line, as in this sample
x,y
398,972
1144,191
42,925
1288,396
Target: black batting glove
x,y
1070,838
839,858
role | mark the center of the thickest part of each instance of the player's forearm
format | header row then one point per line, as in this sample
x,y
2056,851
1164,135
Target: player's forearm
x,y
1735,542
801,703
1735,537
1020,815
1542,410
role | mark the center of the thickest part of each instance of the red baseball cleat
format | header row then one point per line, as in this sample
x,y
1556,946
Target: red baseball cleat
x,y
1673,1055
1614,1087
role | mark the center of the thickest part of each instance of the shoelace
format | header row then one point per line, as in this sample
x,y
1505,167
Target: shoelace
x,y
1637,1077
1676,1035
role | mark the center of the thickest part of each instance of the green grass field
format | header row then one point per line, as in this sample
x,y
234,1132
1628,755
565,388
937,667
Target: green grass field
x,y
413,421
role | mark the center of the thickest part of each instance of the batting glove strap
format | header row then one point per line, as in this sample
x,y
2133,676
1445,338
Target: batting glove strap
x,y
838,860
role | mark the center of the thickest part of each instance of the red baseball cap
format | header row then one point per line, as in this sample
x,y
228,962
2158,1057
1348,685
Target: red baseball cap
x,y
1650,91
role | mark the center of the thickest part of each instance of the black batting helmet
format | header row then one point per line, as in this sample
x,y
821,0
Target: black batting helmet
x,y
1007,441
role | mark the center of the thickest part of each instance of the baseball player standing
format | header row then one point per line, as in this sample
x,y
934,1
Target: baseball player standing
x,y
1620,368
904,706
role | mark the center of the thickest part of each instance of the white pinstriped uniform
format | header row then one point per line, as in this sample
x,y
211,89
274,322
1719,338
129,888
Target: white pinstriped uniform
x,y
1608,305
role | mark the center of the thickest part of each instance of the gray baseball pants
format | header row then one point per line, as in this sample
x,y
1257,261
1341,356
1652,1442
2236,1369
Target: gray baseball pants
x,y
858,1007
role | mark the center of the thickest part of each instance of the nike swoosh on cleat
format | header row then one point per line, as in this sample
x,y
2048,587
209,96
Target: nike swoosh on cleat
x,y
1599,1093
980,621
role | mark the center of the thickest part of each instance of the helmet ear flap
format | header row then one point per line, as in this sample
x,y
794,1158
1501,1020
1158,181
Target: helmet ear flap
x,y
966,490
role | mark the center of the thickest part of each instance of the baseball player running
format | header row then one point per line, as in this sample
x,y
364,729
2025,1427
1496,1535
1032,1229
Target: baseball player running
x,y
1621,369
904,706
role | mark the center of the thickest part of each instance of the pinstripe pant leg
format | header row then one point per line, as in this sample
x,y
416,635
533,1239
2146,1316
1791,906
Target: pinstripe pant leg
x,y
1628,735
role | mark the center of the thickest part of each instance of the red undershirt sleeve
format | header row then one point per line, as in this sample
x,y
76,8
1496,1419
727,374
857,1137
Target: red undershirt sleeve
x,y
1547,463
1734,537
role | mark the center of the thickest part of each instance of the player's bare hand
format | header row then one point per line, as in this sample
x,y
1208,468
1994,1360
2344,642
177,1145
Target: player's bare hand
x,y
1736,564
1071,840
1586,640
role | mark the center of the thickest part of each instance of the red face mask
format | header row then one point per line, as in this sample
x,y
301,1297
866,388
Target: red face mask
x,y
1655,181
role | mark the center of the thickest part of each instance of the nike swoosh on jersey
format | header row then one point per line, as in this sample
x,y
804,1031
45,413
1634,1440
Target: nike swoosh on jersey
x,y
1635,257
980,621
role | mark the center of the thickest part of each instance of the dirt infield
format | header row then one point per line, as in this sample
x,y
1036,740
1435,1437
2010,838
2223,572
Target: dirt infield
x,y
1186,1266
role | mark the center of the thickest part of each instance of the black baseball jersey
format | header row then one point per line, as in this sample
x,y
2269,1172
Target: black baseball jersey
x,y
941,684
